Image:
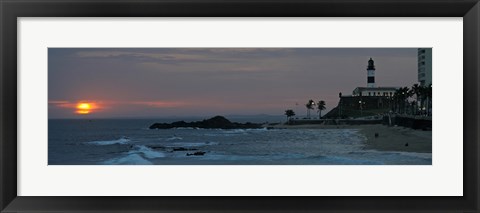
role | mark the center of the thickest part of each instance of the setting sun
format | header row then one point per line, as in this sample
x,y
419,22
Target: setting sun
x,y
84,108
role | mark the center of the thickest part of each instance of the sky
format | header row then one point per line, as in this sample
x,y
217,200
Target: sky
x,y
183,82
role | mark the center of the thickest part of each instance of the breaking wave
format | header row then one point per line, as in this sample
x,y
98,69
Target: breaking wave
x,y
122,140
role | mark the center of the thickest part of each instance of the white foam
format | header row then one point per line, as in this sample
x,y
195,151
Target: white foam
x,y
192,144
234,131
186,128
417,155
148,153
427,156
136,157
103,143
174,138
260,129
130,159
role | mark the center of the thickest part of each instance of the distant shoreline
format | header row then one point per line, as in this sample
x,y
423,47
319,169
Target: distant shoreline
x,y
389,138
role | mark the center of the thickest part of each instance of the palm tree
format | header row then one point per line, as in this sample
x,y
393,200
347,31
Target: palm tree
x,y
416,90
309,106
407,93
410,94
289,113
320,107
401,95
397,96
424,97
429,99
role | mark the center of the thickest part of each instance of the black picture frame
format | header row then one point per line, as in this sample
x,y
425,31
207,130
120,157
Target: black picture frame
x,y
10,10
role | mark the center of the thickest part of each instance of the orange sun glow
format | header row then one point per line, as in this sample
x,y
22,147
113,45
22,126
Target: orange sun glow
x,y
84,108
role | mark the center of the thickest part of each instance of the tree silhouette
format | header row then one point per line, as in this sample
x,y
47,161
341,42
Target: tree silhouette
x,y
320,107
416,89
289,113
309,106
400,97
429,99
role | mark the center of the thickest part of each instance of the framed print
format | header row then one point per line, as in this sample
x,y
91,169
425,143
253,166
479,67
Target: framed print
x,y
208,128
239,106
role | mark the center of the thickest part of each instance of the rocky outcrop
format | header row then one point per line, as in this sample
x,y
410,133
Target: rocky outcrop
x,y
196,154
183,149
217,122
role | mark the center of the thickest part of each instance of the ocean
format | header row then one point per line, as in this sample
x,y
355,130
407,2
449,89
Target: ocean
x,y
131,142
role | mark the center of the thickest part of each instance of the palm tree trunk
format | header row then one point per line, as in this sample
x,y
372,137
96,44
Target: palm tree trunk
x,y
428,106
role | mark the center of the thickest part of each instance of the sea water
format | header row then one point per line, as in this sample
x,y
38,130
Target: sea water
x,y
131,142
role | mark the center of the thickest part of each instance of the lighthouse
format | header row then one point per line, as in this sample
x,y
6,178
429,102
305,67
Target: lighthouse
x,y
370,74
372,89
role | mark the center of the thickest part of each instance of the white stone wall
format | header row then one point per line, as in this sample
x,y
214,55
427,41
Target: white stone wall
x,y
376,92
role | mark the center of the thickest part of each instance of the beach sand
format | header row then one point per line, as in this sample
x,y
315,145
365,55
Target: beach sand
x,y
389,138
396,138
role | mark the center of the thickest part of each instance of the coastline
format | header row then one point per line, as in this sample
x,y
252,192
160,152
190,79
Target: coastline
x,y
389,138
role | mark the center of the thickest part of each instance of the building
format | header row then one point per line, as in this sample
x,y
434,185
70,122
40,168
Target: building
x,y
377,91
425,66
364,101
371,89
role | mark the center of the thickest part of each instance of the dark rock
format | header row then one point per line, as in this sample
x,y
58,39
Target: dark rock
x,y
217,122
182,149
156,147
196,153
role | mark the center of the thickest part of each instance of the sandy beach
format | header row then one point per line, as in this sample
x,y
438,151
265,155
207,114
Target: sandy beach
x,y
389,138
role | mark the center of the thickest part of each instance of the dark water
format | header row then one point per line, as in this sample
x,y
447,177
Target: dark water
x,y
120,142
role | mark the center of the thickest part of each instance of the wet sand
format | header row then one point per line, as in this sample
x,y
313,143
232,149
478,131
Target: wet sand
x,y
389,138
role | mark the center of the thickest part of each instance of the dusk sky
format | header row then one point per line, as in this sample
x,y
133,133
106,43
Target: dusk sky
x,y
163,82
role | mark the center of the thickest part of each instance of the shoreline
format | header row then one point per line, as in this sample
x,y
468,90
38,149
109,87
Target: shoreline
x,y
394,138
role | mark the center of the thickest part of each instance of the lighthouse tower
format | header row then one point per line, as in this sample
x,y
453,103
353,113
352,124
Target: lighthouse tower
x,y
370,74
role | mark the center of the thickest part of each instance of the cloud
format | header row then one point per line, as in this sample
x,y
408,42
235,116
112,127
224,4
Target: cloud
x,y
160,104
161,56
73,104
110,104
185,55
249,50
62,104
250,69
151,57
